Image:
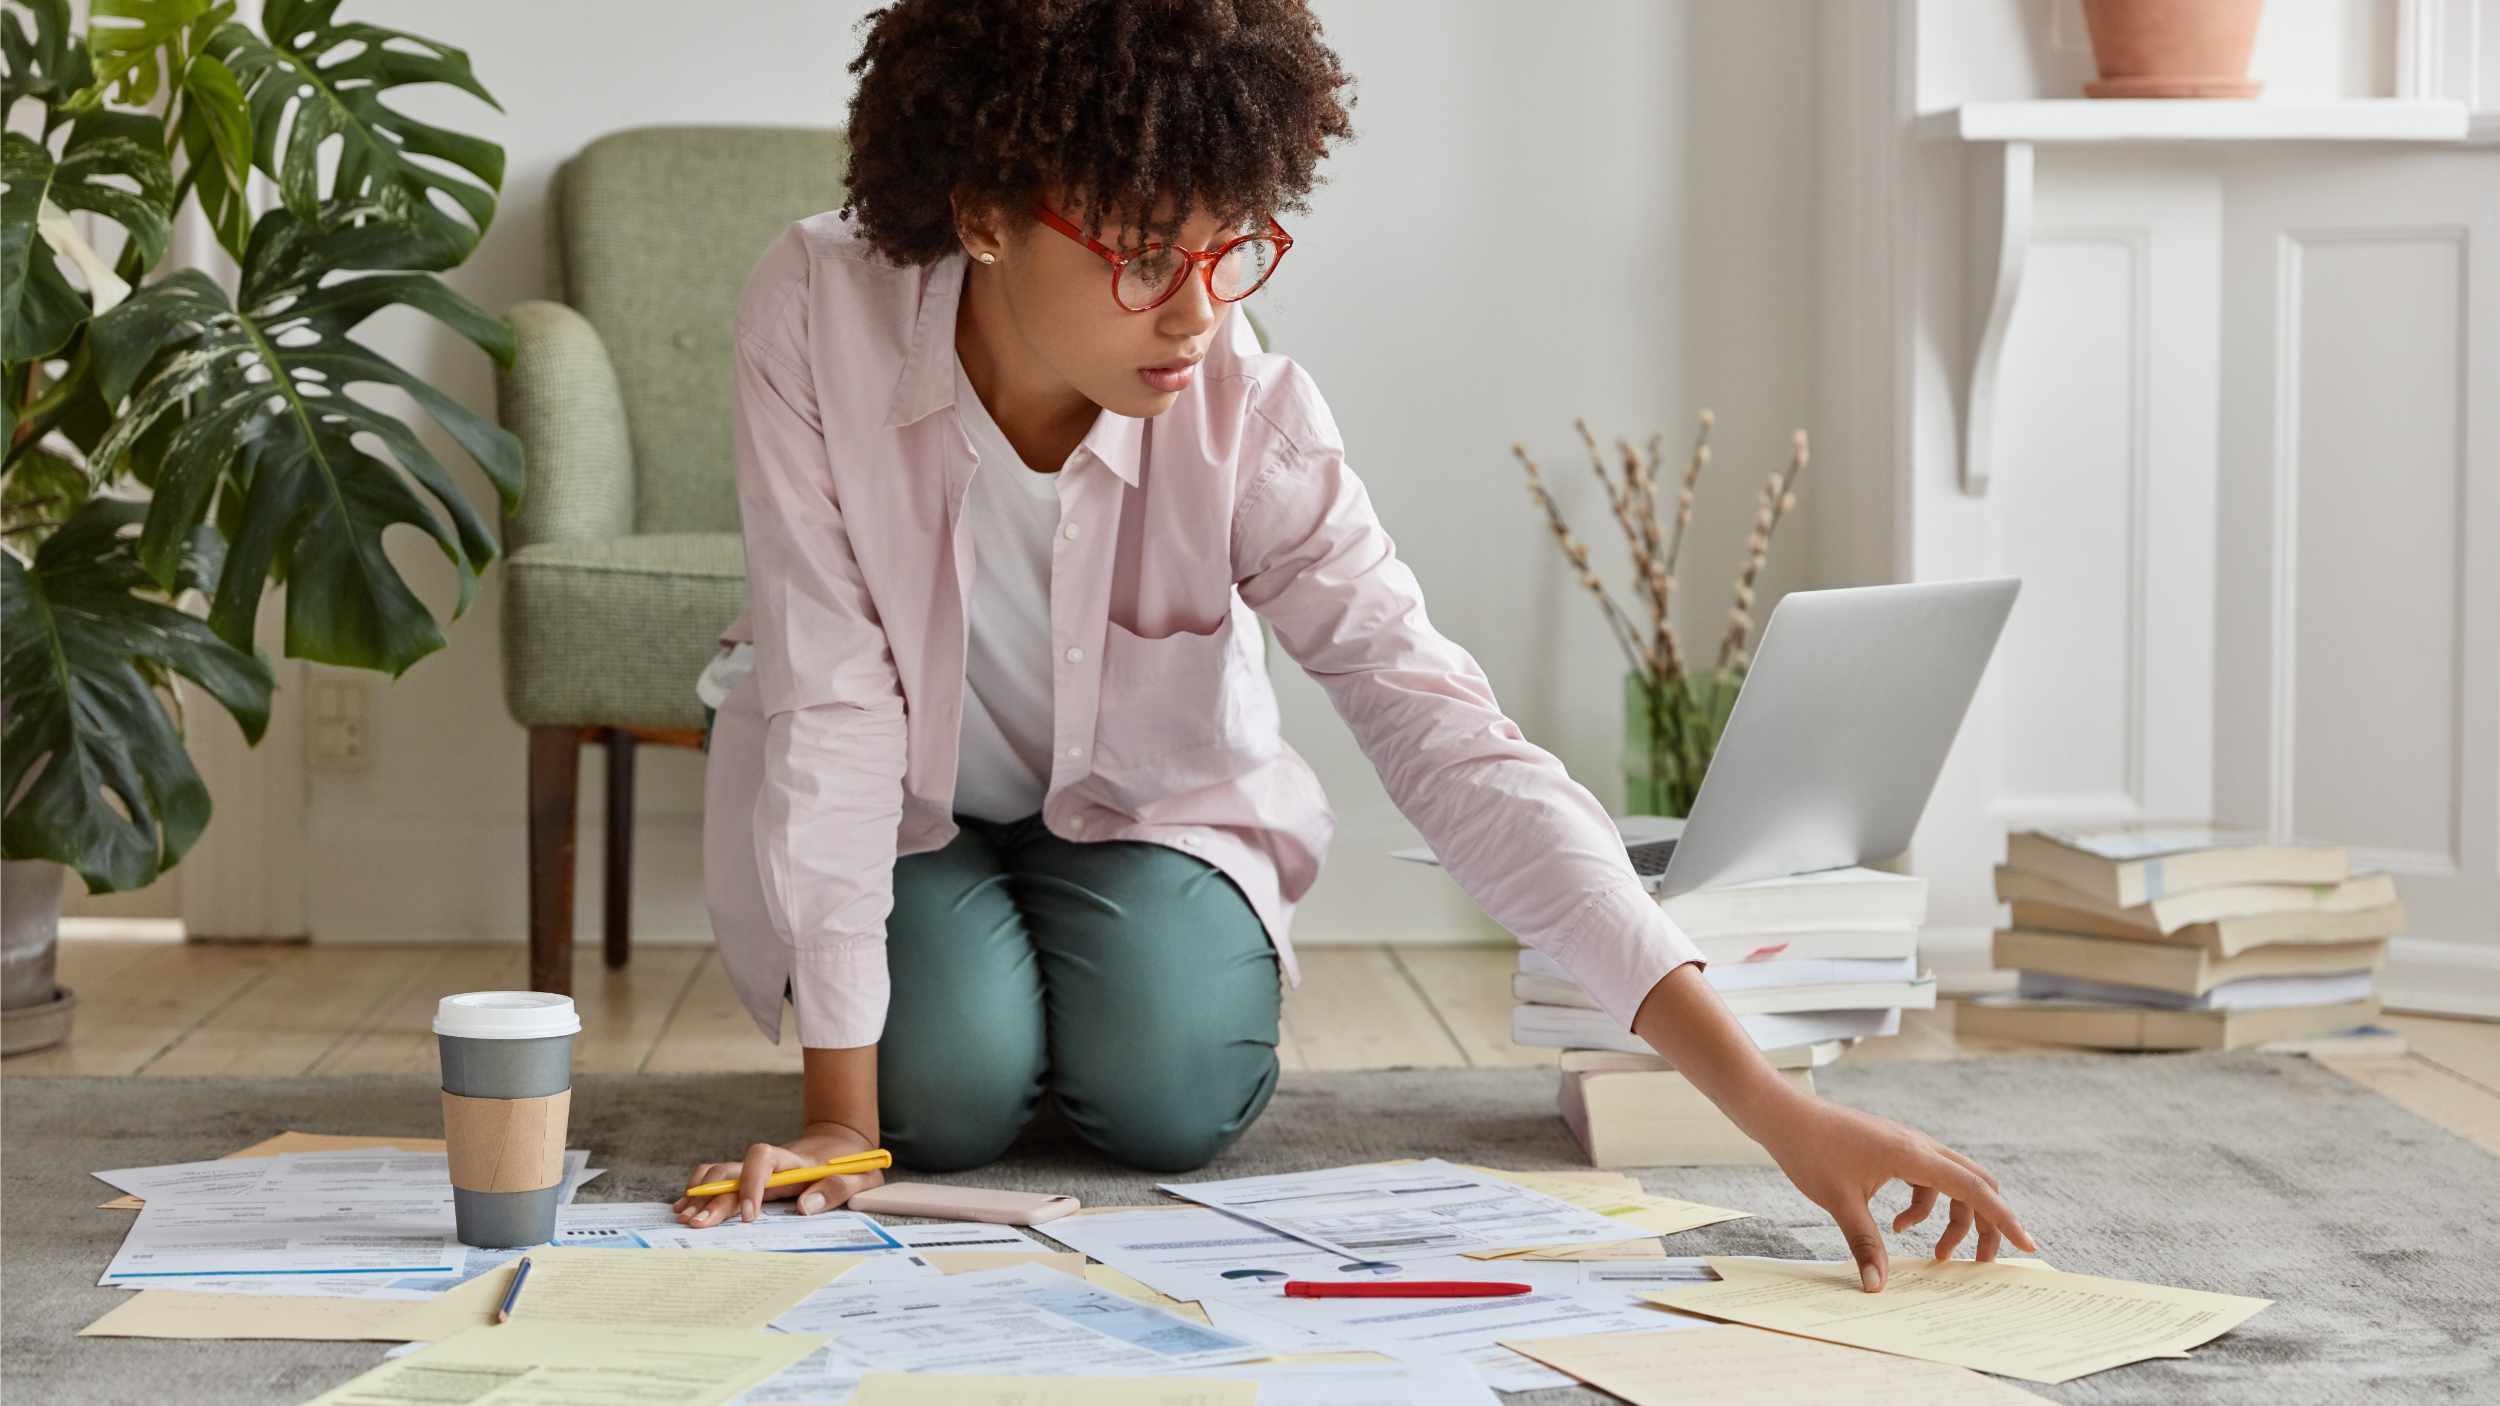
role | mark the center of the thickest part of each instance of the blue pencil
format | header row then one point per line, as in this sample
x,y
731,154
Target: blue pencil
x,y
503,1311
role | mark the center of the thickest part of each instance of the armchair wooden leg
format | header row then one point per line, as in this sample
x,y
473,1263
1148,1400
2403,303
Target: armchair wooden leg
x,y
620,905
555,774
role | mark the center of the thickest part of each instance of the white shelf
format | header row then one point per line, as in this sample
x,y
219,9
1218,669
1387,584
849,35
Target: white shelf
x,y
2210,119
2002,139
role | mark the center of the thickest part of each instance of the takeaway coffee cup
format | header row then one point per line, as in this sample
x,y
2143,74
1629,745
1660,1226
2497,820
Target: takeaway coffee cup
x,y
507,1089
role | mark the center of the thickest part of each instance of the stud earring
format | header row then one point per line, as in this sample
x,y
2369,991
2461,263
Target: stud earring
x,y
989,258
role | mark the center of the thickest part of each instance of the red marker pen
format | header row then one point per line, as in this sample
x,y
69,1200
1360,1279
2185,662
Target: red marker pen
x,y
1416,1289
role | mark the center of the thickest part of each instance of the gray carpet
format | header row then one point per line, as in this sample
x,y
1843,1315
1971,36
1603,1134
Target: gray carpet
x,y
2254,1174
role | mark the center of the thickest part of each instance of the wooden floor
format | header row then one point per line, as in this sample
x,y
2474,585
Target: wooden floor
x,y
158,1009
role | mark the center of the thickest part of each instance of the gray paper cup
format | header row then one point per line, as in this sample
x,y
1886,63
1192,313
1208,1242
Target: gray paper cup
x,y
515,1046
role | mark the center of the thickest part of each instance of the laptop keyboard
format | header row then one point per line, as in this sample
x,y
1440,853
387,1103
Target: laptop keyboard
x,y
1649,857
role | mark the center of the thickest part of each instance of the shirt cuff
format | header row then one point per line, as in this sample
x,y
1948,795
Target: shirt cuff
x,y
1618,945
840,993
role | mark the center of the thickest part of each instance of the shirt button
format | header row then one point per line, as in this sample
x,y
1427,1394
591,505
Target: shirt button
x,y
1068,532
1075,655
1076,751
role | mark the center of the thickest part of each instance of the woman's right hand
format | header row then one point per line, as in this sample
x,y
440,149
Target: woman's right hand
x,y
815,1145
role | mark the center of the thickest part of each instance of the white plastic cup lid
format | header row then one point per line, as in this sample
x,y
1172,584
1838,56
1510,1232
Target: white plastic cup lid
x,y
506,1015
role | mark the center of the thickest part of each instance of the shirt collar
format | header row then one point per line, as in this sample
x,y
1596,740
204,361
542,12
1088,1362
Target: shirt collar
x,y
927,384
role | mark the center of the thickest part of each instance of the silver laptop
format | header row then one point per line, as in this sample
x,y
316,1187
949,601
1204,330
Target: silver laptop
x,y
1836,740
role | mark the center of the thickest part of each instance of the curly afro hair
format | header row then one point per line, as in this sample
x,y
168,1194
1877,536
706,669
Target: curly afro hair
x,y
1225,105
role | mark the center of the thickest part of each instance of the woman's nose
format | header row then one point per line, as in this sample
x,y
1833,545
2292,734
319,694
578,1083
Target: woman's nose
x,y
1191,311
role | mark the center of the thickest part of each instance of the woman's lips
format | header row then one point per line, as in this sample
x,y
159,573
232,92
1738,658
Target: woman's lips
x,y
1169,379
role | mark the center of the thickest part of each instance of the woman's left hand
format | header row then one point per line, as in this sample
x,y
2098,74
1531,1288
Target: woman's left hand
x,y
1840,1157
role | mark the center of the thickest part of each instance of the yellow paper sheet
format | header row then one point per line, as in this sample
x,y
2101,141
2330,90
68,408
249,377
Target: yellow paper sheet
x,y
172,1313
555,1363
907,1389
1575,1176
300,1142
1620,1250
1641,1213
2029,1322
1734,1363
1103,1276
658,1288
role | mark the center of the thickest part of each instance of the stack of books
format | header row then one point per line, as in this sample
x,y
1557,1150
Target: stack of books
x,y
1810,964
2183,937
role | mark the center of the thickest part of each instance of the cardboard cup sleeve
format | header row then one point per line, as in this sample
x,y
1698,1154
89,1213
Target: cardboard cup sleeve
x,y
505,1144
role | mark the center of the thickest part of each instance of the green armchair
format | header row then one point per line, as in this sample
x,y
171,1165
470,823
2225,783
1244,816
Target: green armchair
x,y
624,564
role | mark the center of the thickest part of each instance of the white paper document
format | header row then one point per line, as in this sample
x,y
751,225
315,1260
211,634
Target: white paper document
x,y
1207,1257
584,1225
826,1232
320,1176
231,1239
1461,1330
1021,1321
628,1225
1236,1272
207,1181
1623,1276
1197,1255
1386,1210
588,1224
961,1235
577,1178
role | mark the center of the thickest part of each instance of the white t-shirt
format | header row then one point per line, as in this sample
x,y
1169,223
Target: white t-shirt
x,y
1004,768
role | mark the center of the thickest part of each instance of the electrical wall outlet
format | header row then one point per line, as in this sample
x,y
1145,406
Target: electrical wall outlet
x,y
337,732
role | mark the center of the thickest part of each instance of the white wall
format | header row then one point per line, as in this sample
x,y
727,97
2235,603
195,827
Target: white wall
x,y
1598,210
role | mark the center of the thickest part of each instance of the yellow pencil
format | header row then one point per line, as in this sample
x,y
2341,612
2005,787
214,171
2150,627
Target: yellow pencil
x,y
874,1159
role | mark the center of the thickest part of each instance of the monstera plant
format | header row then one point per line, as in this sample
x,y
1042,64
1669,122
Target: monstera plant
x,y
173,451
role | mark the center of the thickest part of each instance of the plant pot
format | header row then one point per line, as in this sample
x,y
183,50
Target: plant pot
x,y
2172,48
34,1011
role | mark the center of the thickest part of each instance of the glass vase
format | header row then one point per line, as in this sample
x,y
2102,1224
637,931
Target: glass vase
x,y
1669,732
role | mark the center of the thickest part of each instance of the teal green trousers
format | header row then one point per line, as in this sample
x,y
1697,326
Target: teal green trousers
x,y
1131,982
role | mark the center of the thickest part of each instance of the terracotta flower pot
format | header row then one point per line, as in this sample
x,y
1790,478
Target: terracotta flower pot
x,y
2172,48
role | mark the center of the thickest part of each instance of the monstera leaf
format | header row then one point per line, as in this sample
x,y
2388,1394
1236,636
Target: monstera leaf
x,y
342,97
216,130
42,307
131,41
50,65
83,651
259,394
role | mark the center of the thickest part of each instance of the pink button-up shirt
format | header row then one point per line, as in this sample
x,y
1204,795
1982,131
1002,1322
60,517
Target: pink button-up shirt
x,y
852,466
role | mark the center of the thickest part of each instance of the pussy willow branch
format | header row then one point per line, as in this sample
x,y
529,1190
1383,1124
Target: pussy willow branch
x,y
1623,502
1778,495
1651,564
1578,554
1684,500
1664,563
1656,548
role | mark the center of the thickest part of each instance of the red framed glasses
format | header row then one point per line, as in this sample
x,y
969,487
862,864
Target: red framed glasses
x,y
1143,278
